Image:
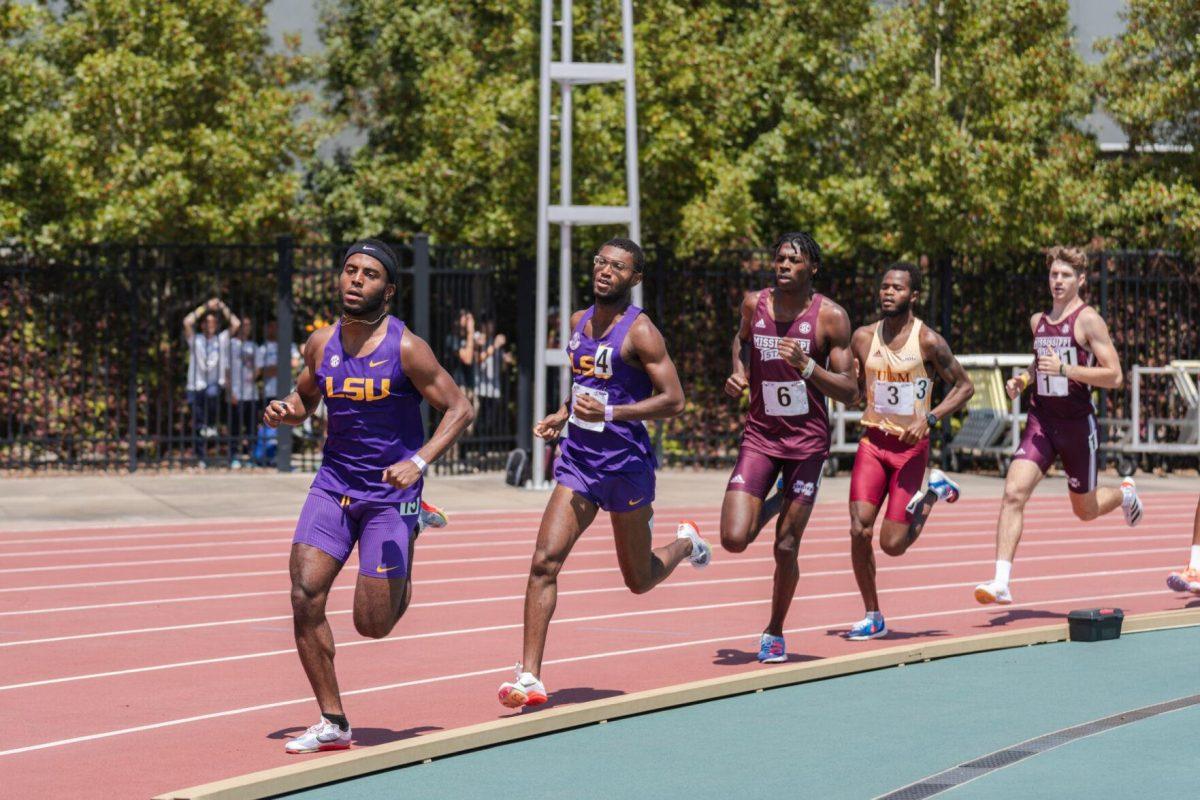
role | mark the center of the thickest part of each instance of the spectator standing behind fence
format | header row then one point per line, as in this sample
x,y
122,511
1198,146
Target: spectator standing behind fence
x,y
207,351
460,352
273,389
242,366
490,359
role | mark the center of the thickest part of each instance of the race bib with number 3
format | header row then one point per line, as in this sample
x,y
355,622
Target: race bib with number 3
x,y
600,395
785,398
894,397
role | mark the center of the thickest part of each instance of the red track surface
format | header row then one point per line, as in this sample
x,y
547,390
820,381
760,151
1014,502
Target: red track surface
x,y
140,659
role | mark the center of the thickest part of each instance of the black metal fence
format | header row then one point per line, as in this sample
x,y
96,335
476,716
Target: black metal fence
x,y
99,371
97,374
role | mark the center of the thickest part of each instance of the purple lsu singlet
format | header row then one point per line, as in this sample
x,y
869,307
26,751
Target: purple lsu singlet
x,y
1054,395
374,419
599,370
787,417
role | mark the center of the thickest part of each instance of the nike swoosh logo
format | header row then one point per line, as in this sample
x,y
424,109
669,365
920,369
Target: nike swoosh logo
x,y
635,502
384,568
376,363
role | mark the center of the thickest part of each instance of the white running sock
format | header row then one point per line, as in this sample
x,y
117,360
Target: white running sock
x,y
1195,562
1003,571
875,615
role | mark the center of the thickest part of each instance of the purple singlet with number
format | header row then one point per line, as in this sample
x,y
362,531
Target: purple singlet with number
x,y
610,463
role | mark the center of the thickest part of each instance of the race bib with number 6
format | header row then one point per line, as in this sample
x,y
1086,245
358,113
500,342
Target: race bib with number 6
x,y
894,397
785,398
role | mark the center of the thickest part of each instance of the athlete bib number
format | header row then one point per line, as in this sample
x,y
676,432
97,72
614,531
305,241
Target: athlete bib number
x,y
576,392
895,397
1056,385
785,398
603,367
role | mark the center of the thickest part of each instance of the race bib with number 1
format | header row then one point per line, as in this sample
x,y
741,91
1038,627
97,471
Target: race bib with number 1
x,y
1049,385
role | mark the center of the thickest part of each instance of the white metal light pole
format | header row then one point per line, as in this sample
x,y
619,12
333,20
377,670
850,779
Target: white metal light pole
x,y
567,73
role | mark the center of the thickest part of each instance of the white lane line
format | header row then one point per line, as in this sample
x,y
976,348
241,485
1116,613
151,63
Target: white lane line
x,y
823,513
722,562
285,617
675,585
506,669
282,552
935,528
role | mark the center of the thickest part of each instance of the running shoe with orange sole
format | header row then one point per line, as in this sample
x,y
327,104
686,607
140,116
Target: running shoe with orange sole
x,y
525,690
993,592
1186,581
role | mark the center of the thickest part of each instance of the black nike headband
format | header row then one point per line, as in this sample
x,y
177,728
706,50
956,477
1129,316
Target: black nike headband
x,y
376,252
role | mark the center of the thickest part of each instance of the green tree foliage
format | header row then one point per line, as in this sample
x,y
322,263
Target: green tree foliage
x,y
148,120
1150,83
966,136
791,114
447,94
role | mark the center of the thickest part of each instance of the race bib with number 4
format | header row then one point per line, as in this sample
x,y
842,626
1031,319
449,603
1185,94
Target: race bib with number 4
x,y
603,366
601,396
785,398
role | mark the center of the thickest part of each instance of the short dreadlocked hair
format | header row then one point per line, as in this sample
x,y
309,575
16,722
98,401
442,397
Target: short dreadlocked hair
x,y
804,244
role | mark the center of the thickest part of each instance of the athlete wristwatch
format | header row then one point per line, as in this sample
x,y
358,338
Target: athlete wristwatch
x,y
931,418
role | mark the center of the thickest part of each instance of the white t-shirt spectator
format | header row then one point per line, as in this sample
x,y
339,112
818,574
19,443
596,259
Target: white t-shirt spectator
x,y
268,357
243,366
207,360
487,375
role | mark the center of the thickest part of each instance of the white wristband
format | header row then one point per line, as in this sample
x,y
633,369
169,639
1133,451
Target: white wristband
x,y
420,462
809,368
608,412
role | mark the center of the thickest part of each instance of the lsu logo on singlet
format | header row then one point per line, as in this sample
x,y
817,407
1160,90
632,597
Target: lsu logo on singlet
x,y
360,389
597,366
769,346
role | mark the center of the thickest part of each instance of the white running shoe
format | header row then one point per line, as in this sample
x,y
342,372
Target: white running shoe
x,y
701,550
525,690
993,592
1131,504
942,486
325,735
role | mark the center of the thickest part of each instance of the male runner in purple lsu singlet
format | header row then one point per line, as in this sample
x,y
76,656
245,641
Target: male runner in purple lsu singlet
x,y
1072,353
372,373
799,343
622,376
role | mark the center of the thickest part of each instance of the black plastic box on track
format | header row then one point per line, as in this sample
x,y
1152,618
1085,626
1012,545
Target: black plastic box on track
x,y
1095,624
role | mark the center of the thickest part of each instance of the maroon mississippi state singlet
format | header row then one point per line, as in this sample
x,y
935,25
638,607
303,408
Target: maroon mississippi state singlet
x,y
787,417
1054,395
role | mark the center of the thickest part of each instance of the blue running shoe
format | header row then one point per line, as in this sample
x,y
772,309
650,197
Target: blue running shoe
x,y
871,626
942,486
771,649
